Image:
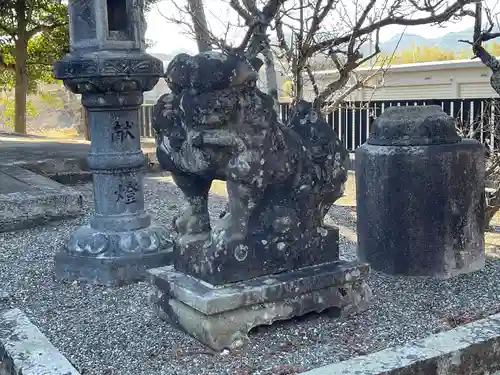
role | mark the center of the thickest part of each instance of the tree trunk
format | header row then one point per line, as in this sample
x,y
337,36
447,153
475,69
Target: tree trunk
x,y
21,55
200,25
271,79
299,62
299,85
84,124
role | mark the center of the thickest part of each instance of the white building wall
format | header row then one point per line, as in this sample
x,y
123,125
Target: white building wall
x,y
460,79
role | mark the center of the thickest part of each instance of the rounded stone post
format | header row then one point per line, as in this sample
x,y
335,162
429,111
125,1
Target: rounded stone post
x,y
420,195
109,68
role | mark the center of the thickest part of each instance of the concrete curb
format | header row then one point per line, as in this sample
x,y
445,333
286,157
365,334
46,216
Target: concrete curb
x,y
24,350
471,349
28,199
72,171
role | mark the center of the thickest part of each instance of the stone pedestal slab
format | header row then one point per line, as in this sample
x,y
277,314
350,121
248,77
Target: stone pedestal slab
x,y
221,316
420,196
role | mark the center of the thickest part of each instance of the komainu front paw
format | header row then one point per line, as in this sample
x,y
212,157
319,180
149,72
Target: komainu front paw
x,y
189,223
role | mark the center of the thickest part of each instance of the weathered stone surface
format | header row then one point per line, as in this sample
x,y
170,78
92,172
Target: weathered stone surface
x,y
28,199
196,72
90,255
222,316
111,71
271,256
472,349
281,180
24,350
412,126
420,207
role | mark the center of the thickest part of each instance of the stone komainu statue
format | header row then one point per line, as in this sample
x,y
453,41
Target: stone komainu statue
x,y
281,179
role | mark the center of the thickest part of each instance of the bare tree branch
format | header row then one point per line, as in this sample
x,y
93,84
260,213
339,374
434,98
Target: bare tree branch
x,y
455,9
200,26
282,41
353,61
252,7
360,83
313,80
242,12
218,42
333,31
337,31
259,41
481,36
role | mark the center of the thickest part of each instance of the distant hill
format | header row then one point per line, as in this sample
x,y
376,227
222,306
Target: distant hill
x,y
398,43
448,42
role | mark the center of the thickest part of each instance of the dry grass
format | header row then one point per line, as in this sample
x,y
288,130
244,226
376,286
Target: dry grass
x,y
37,138
67,133
492,239
219,188
492,244
349,198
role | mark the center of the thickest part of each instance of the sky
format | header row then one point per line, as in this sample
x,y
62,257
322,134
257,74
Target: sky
x,y
169,37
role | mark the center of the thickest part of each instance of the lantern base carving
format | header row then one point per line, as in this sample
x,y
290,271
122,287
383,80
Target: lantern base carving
x,y
113,258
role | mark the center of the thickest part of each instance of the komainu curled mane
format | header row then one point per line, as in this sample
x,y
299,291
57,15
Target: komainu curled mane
x,y
281,179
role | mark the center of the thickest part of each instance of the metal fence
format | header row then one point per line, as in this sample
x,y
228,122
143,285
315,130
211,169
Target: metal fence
x,y
146,121
352,120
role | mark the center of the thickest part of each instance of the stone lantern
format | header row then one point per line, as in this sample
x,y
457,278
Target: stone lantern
x,y
108,66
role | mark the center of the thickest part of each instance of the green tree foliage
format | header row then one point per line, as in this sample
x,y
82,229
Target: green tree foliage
x,y
493,48
43,49
287,89
417,54
33,34
8,110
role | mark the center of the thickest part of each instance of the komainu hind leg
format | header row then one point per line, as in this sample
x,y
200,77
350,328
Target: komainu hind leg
x,y
195,219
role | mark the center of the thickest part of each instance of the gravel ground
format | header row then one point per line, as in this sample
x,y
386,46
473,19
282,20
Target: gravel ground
x,y
109,331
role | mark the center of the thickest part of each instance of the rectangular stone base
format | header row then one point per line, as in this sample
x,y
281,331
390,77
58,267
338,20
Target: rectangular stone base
x,y
27,199
221,316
